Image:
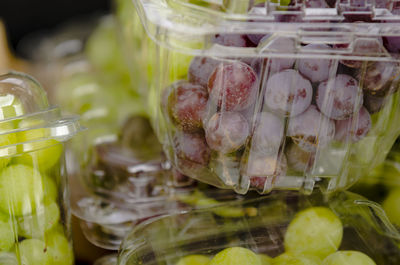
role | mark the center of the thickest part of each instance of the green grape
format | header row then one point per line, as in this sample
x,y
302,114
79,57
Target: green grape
x,y
194,260
59,249
7,235
35,225
10,106
391,205
314,231
265,260
236,256
44,154
5,140
33,252
348,258
21,190
50,190
298,259
7,258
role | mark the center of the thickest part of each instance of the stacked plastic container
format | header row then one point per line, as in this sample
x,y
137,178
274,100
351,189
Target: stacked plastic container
x,y
34,201
265,96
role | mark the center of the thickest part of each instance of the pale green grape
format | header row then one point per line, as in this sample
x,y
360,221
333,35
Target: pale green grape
x,y
295,259
236,256
10,106
21,190
42,154
348,258
194,260
391,205
265,260
5,140
50,189
33,252
316,231
35,225
7,258
7,236
60,251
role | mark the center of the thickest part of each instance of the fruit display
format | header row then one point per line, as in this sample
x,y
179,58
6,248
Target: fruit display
x,y
283,228
242,99
34,213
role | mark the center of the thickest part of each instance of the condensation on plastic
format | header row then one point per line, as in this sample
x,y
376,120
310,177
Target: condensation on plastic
x,y
167,239
183,31
34,201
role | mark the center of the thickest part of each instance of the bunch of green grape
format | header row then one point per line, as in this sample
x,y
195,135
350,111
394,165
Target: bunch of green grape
x,y
31,222
312,238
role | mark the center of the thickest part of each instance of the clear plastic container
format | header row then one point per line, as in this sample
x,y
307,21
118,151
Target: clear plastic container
x,y
34,201
166,240
277,95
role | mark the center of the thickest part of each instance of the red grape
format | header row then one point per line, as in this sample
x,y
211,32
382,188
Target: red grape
x,y
260,168
311,129
258,9
192,148
364,47
298,159
232,40
268,134
355,128
374,103
288,93
226,131
316,70
282,45
187,105
337,98
392,44
233,86
200,69
377,75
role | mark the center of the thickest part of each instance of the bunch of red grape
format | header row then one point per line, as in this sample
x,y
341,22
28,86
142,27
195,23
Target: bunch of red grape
x,y
274,113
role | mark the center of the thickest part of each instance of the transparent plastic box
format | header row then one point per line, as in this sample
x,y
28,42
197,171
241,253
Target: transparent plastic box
x,y
262,230
34,199
277,94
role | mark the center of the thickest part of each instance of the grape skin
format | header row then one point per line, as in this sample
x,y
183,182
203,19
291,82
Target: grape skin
x,y
282,45
311,130
337,98
200,70
348,258
315,231
268,134
344,130
194,260
187,105
236,256
192,147
298,159
288,93
315,70
227,131
233,86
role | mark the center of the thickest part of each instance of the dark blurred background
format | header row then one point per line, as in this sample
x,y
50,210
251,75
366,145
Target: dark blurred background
x,y
23,17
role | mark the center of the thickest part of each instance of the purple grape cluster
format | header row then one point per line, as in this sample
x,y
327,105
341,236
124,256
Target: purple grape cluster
x,y
274,112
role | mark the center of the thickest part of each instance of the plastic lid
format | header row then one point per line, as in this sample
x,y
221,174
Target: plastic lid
x,y
189,26
26,116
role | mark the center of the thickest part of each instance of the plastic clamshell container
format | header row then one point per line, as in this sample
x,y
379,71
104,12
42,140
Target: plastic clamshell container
x,y
279,95
34,199
262,230
106,220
